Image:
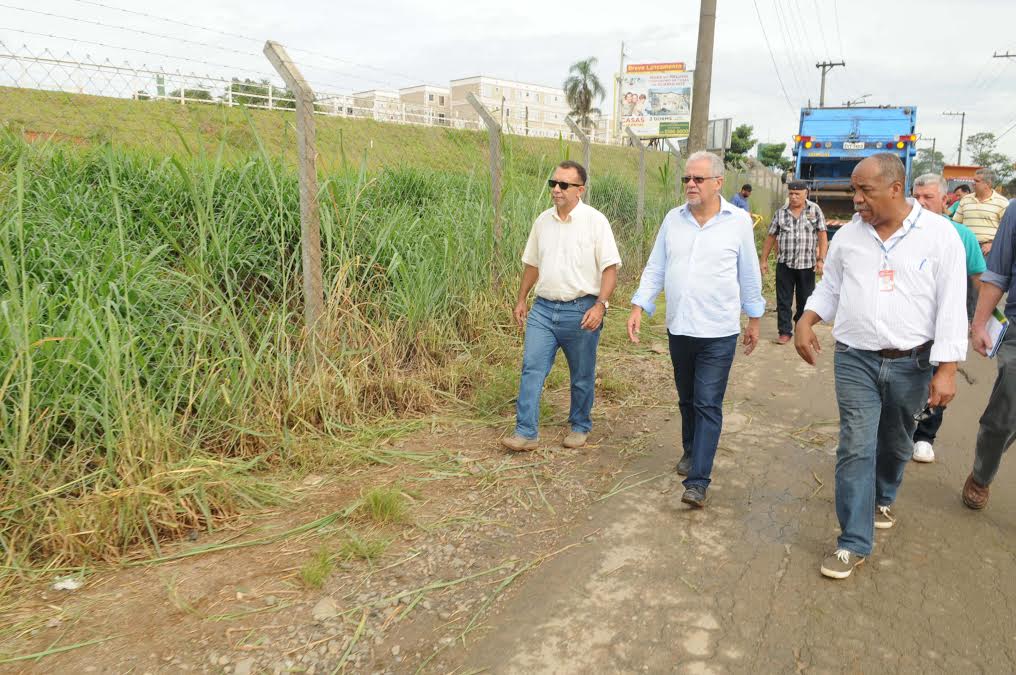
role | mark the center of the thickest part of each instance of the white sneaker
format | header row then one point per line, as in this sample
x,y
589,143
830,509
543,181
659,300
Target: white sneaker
x,y
923,452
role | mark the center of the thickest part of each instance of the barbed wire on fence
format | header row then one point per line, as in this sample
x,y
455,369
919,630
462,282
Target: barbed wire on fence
x,y
50,70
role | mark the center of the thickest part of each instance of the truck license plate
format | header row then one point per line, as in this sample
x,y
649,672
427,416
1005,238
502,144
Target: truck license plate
x,y
851,145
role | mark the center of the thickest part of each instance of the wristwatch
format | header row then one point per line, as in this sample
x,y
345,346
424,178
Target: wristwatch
x,y
605,303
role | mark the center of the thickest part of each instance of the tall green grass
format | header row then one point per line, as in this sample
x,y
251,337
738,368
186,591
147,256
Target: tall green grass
x,y
151,344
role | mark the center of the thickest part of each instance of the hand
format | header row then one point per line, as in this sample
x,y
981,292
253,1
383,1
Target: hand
x,y
520,312
806,343
750,340
819,266
979,339
763,266
986,248
943,388
634,323
593,317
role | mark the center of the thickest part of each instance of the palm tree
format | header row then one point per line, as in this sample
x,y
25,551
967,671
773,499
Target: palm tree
x,y
582,89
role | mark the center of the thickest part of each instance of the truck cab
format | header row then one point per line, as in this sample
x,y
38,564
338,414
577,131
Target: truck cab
x,y
831,141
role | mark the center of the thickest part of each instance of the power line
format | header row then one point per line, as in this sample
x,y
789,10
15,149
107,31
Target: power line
x,y
821,28
786,43
241,36
1011,127
771,55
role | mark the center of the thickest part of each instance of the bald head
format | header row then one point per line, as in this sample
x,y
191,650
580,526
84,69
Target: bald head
x,y
884,165
879,189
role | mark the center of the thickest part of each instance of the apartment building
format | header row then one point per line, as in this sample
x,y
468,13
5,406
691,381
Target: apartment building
x,y
428,101
520,106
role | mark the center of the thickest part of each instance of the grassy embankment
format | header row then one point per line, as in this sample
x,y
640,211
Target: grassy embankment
x,y
153,364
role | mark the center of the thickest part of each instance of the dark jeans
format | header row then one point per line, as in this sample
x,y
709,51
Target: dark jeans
x,y
791,282
998,423
701,368
927,429
877,398
971,299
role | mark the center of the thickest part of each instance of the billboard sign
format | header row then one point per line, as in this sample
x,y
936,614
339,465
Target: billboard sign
x,y
655,100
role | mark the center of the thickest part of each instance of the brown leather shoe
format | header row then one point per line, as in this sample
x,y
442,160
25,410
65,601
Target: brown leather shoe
x,y
975,496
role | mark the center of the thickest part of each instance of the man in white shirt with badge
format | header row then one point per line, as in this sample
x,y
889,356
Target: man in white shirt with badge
x,y
572,259
895,283
705,262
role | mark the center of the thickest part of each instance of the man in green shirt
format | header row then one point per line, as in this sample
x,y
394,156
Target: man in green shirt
x,y
930,192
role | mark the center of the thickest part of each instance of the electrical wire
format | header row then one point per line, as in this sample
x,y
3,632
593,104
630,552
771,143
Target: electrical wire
x,y
771,55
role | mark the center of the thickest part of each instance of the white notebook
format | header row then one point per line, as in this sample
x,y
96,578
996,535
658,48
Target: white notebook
x,y
998,324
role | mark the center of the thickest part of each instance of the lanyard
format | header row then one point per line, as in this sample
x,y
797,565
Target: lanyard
x,y
887,251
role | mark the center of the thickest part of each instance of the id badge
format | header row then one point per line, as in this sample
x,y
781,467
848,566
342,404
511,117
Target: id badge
x,y
886,281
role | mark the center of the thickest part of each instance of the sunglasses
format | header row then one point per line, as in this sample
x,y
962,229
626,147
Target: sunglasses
x,y
698,179
926,413
564,185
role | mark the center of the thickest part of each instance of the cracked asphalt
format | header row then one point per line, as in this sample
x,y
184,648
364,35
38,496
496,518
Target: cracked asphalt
x,y
658,587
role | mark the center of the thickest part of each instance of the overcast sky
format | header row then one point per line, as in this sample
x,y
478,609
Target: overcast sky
x,y
898,52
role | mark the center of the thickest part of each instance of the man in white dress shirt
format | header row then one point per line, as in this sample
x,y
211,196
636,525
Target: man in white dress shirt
x,y
895,283
705,262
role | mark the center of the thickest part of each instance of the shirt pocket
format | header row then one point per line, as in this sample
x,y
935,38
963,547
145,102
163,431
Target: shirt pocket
x,y
916,280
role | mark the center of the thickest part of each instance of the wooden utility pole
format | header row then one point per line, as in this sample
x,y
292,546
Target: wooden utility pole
x,y
703,82
963,122
494,138
618,81
586,152
310,224
826,66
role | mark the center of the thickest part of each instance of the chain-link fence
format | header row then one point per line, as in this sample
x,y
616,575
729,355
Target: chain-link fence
x,y
153,334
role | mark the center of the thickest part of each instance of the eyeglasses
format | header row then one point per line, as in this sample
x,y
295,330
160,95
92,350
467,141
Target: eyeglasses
x,y
698,179
564,185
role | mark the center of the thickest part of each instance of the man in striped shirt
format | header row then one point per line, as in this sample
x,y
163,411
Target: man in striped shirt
x,y
894,283
982,210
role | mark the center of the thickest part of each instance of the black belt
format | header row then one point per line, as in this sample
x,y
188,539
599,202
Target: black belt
x,y
900,353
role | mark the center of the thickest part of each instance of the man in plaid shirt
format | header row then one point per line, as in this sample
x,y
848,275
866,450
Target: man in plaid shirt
x,y
799,232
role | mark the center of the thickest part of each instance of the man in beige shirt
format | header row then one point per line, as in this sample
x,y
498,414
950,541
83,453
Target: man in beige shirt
x,y
572,259
982,211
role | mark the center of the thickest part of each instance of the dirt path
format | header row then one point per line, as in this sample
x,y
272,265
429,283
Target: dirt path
x,y
578,561
735,587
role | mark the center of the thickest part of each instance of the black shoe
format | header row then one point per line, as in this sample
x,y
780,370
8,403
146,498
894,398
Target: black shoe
x,y
695,495
684,466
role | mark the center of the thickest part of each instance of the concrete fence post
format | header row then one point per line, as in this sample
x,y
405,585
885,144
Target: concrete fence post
x,y
310,224
494,138
586,153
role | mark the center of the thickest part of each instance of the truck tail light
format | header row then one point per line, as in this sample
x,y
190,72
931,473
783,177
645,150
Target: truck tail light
x,y
900,145
807,144
909,138
799,139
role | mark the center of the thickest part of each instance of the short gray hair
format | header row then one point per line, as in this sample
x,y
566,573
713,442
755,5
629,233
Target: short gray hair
x,y
715,163
987,175
932,179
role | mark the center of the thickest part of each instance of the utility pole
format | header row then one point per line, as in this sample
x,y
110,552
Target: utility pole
x,y
703,77
825,67
963,121
617,94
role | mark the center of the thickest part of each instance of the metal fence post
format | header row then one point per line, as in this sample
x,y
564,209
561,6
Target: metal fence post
x,y
641,207
676,152
587,152
310,226
494,134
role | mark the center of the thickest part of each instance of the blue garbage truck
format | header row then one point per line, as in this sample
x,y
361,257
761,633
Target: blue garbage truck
x,y
831,141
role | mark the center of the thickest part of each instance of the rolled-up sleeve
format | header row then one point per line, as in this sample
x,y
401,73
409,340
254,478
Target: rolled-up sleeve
x,y
1002,257
950,343
531,255
749,277
825,299
607,254
655,274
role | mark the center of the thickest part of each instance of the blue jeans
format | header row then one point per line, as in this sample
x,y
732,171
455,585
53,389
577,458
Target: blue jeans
x,y
878,398
701,369
552,324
